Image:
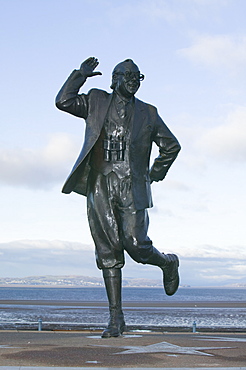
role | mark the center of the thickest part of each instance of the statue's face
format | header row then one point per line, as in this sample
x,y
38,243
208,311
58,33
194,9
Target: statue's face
x,y
128,79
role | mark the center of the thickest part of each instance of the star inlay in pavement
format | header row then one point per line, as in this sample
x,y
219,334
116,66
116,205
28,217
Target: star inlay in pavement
x,y
166,348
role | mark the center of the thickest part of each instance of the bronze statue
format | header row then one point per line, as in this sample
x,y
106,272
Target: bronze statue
x,y
112,171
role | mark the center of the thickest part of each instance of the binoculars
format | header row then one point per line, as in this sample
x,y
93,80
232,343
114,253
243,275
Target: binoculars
x,y
116,145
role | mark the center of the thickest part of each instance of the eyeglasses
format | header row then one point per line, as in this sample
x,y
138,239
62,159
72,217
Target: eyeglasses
x,y
131,75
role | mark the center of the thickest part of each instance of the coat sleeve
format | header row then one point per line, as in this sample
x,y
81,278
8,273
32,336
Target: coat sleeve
x,y
169,148
69,100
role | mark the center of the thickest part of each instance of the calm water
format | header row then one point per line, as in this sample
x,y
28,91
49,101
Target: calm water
x,y
160,316
129,294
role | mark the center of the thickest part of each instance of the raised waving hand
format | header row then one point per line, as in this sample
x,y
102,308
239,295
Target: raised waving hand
x,y
88,66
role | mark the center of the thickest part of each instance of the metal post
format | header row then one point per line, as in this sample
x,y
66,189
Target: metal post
x,y
40,324
194,327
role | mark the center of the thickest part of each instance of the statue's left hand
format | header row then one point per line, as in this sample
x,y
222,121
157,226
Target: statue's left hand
x,y
88,66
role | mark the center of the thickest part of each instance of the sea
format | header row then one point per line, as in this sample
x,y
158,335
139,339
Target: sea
x,y
203,307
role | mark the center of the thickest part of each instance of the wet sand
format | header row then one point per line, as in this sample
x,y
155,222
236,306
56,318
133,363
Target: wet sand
x,y
150,315
126,304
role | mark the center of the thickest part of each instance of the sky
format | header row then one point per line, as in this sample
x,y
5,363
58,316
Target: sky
x,y
193,56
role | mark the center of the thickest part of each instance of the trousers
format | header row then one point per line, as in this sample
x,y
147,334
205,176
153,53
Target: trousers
x,y
114,222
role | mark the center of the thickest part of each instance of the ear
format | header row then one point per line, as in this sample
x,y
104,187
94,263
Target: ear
x,y
114,81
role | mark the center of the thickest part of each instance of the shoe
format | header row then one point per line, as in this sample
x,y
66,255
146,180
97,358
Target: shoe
x,y
113,331
170,274
115,328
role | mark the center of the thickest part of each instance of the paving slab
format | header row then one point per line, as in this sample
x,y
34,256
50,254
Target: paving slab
x,y
67,350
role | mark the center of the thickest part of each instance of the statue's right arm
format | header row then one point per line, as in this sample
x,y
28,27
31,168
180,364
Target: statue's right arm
x,y
68,98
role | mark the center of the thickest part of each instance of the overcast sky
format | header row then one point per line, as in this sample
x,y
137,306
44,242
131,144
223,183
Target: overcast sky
x,y
193,54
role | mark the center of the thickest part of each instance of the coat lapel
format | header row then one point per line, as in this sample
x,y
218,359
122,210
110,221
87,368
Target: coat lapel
x,y
94,127
101,109
138,118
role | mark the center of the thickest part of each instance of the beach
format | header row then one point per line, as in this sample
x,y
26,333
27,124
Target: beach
x,y
158,316
136,304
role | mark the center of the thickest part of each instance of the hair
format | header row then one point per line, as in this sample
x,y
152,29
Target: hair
x,y
117,69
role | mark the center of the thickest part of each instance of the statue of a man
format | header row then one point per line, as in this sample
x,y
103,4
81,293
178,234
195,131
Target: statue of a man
x,y
112,171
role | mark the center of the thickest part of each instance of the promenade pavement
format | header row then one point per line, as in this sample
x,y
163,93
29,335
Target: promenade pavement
x,y
41,350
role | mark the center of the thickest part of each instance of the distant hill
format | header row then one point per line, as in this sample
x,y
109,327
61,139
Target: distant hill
x,y
87,281
74,281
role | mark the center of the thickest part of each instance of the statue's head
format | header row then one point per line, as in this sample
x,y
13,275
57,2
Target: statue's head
x,y
126,78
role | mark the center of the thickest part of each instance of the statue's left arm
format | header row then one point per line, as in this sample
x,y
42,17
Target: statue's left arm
x,y
169,148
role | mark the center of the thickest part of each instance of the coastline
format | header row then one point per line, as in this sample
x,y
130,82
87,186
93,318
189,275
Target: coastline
x,y
57,286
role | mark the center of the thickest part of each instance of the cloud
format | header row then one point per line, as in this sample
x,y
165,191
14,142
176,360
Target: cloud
x,y
50,245
218,271
221,51
44,257
213,252
204,265
178,185
239,268
40,168
227,141
211,265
